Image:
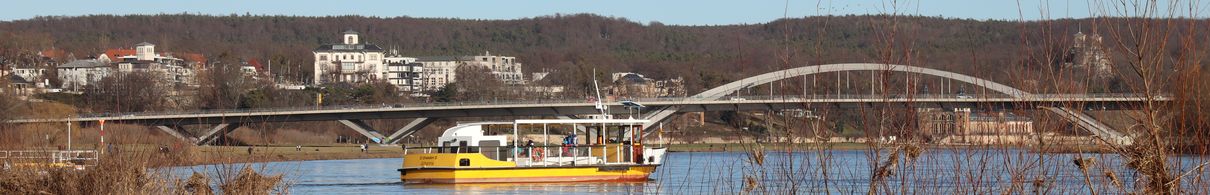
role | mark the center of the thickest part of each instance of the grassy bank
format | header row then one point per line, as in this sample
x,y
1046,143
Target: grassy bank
x,y
204,155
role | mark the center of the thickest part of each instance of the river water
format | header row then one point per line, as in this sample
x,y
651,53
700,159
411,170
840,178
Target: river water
x,y
835,171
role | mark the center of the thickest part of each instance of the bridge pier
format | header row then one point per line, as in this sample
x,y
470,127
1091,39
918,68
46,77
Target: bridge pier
x,y
412,127
656,117
215,132
178,132
1092,125
364,129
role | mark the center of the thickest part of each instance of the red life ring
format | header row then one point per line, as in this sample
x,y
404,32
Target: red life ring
x,y
537,155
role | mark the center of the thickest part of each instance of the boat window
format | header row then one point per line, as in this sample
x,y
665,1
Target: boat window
x,y
486,143
463,148
490,148
445,147
464,162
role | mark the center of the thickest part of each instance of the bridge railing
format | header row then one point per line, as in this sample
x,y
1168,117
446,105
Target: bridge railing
x,y
1108,96
334,107
571,101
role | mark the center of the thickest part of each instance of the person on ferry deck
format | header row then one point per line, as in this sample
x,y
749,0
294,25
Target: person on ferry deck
x,y
529,146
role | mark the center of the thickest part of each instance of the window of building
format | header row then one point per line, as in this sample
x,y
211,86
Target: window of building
x,y
323,57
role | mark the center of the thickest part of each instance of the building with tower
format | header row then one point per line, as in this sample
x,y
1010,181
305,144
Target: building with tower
x,y
352,60
146,59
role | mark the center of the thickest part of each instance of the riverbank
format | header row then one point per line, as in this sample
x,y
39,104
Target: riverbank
x,y
205,155
740,147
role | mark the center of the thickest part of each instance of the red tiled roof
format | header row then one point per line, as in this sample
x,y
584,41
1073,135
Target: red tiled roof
x,y
116,53
53,53
256,63
192,57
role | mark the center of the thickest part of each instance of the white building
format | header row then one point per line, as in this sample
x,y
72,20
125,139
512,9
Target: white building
x,y
505,68
145,59
29,73
405,73
349,61
438,71
77,74
1088,52
629,84
248,70
441,70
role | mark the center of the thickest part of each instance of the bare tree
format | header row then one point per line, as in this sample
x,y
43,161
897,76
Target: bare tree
x,y
8,103
476,83
128,92
221,86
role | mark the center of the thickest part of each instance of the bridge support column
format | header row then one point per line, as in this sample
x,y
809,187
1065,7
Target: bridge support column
x,y
656,117
412,127
1092,125
215,132
364,129
178,132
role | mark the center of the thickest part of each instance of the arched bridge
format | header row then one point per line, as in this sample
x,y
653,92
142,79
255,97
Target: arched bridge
x,y
660,108
1079,118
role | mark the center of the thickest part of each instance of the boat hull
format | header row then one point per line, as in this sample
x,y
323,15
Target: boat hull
x,y
607,173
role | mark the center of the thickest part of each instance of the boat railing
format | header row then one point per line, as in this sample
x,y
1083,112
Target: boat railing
x,y
547,156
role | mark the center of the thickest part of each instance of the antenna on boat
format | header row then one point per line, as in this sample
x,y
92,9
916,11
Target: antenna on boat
x,y
597,88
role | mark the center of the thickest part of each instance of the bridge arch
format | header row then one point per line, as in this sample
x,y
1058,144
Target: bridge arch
x,y
720,91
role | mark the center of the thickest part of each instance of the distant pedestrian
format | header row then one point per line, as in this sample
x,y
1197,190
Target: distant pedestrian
x,y
249,150
364,148
298,148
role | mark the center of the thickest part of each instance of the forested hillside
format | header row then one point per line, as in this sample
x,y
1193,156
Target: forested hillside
x,y
705,55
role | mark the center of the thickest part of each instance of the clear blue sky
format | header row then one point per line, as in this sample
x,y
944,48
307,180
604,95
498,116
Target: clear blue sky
x,y
680,12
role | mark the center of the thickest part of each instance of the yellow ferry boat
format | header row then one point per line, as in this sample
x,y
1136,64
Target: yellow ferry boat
x,y
611,150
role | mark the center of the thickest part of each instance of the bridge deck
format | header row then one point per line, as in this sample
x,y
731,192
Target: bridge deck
x,y
570,107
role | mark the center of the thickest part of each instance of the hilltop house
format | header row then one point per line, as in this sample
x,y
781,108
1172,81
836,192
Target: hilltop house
x,y
442,70
145,59
354,60
77,74
28,72
404,73
628,84
351,60
1088,52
